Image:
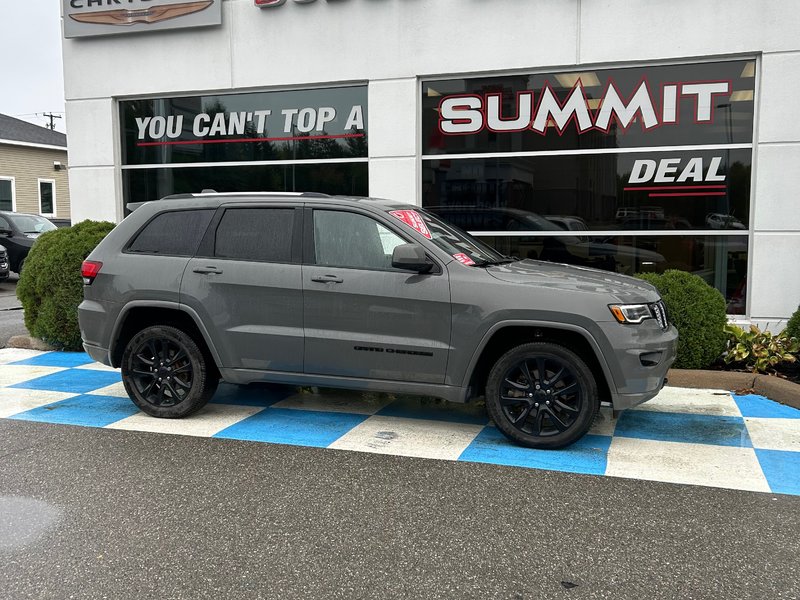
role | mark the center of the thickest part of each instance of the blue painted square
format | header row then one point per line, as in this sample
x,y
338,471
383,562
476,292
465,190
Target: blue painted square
x,y
753,405
782,470
88,411
436,410
295,427
57,359
686,428
76,381
252,395
588,455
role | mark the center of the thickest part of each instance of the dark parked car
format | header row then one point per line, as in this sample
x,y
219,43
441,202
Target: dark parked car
x,y
366,294
3,264
18,232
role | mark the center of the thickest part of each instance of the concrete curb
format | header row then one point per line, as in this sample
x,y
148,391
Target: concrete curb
x,y
774,388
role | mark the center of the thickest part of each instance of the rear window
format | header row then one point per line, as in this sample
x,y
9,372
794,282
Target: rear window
x,y
261,234
176,233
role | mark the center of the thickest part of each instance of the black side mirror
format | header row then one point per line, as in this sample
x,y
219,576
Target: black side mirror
x,y
6,232
411,257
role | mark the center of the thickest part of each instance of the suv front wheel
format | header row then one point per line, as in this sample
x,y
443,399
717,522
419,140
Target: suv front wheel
x,y
165,373
542,395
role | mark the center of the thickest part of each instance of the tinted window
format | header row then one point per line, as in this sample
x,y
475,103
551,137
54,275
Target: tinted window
x,y
344,239
263,234
46,204
6,194
175,233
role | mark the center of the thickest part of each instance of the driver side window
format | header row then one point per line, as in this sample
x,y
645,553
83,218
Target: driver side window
x,y
346,239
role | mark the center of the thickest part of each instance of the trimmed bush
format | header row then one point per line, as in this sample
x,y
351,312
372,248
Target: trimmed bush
x,y
698,312
793,326
50,287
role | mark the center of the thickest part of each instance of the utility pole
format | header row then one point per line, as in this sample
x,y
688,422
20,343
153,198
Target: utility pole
x,y
52,118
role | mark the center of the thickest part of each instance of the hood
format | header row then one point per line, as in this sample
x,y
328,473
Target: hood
x,y
576,279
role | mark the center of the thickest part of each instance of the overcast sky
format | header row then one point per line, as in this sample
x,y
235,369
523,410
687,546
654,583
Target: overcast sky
x,y
30,60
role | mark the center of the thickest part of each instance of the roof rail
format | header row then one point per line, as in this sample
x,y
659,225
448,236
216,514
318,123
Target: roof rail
x,y
131,206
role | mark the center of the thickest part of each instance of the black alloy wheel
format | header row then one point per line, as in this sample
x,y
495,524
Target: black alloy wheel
x,y
542,395
165,373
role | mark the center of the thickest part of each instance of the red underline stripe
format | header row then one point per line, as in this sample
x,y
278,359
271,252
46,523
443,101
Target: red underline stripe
x,y
687,194
251,140
676,187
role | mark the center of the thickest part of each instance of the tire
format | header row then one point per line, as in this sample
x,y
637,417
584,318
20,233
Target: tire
x,y
166,374
522,408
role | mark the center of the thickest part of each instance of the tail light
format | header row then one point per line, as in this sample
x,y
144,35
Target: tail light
x,y
89,270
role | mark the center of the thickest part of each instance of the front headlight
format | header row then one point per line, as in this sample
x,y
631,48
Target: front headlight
x,y
631,313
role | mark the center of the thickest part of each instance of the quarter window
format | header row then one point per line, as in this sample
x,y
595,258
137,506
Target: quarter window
x,y
261,234
176,233
345,239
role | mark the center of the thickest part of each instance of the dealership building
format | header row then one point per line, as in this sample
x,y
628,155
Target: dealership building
x,y
628,136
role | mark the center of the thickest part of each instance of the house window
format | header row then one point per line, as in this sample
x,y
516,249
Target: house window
x,y
7,193
47,197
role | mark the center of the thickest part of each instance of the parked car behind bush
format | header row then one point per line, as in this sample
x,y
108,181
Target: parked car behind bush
x,y
51,287
698,312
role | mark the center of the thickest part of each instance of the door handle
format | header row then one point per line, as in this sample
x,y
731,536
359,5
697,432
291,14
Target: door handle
x,y
327,279
206,270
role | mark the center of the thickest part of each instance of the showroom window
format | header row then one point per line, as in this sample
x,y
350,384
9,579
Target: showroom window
x,y
631,170
311,140
7,193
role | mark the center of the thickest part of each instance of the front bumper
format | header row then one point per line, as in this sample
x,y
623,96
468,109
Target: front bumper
x,y
644,354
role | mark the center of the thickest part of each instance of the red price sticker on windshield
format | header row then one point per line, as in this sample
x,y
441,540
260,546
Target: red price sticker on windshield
x,y
413,219
464,259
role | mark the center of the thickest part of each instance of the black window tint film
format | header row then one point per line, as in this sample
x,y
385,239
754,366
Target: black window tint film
x,y
175,233
343,239
262,234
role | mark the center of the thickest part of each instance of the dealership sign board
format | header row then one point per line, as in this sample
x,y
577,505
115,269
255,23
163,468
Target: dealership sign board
x,y
85,18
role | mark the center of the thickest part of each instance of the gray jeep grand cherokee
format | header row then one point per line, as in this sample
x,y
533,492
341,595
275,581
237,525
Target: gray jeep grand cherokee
x,y
366,294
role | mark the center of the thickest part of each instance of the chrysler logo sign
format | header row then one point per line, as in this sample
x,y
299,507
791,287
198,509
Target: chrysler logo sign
x,y
106,17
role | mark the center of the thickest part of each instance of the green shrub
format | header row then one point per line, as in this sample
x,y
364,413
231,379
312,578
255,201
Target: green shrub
x,y
50,287
758,351
698,312
793,326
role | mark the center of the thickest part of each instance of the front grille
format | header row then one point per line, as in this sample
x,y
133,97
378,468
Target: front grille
x,y
660,312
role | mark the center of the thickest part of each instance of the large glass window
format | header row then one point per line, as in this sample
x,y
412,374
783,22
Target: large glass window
x,y
600,168
319,136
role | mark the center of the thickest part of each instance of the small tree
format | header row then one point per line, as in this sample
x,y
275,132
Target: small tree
x,y
698,312
50,287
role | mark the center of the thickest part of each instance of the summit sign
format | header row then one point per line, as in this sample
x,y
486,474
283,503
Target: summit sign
x,y
86,18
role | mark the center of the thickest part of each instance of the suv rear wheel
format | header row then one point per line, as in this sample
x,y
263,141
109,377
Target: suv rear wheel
x,y
165,373
542,395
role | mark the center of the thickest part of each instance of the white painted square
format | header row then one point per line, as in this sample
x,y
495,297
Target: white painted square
x,y
697,402
115,389
358,404
695,464
14,400
774,434
604,422
96,366
9,355
212,419
12,374
409,437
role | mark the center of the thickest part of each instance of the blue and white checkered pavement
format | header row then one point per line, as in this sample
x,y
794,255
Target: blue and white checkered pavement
x,y
701,437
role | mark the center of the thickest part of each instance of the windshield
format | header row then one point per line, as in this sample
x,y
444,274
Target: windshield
x,y
31,223
459,244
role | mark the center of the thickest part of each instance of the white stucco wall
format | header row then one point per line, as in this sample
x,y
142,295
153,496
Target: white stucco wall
x,y
393,42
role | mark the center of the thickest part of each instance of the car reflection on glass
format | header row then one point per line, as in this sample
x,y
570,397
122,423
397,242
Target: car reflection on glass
x,y
569,249
723,221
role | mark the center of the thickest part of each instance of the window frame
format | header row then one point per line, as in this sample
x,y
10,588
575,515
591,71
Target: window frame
x,y
52,183
13,181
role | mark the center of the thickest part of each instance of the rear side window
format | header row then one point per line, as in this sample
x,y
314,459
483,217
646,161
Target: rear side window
x,y
176,233
262,234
